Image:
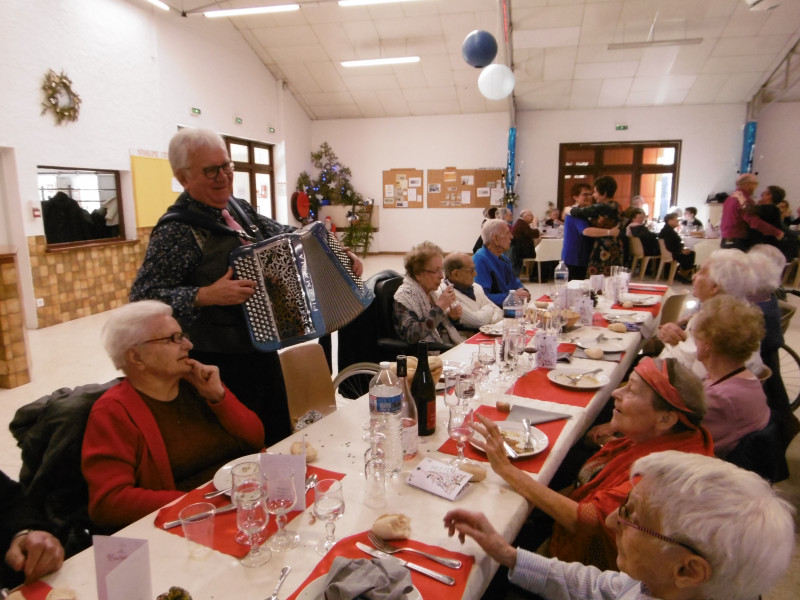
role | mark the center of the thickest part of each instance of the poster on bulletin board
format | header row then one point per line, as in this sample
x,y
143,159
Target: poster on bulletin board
x,y
402,188
464,188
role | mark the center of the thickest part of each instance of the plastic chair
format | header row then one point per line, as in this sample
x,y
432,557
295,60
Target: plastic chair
x,y
637,252
548,250
671,311
666,259
704,249
308,381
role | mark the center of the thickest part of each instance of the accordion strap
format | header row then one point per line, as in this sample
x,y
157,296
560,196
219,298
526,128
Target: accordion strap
x,y
183,215
243,218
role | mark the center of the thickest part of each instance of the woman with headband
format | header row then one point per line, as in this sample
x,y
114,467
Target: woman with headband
x,y
659,409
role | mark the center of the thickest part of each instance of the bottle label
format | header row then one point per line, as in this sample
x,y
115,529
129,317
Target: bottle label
x,y
431,421
387,404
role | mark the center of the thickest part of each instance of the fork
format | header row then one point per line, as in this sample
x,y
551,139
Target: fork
x,y
576,378
385,546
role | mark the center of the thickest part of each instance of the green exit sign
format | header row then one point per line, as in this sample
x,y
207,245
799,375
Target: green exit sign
x,y
622,127
196,111
238,120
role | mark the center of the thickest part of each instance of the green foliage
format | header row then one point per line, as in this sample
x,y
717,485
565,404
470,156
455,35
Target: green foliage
x,y
332,184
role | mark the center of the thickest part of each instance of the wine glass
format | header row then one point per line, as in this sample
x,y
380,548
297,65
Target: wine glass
x,y
488,356
328,507
450,380
509,345
460,429
252,518
282,496
465,388
248,472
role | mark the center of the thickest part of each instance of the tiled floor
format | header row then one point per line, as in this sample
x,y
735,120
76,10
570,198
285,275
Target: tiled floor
x,y
71,354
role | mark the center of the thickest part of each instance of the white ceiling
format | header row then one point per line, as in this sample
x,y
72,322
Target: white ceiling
x,y
558,53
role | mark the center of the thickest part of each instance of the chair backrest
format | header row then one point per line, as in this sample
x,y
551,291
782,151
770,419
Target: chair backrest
x,y
762,452
549,249
308,381
666,255
704,249
787,312
635,247
384,301
671,311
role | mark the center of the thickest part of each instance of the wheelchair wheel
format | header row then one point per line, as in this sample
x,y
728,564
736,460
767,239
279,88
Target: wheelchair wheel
x,y
353,382
790,373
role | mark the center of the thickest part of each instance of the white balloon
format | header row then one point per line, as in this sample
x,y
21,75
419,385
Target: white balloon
x,y
496,82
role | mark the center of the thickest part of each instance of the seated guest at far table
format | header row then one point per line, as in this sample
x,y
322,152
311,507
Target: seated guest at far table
x,y
736,401
552,219
636,228
477,309
581,228
674,244
163,430
30,550
494,272
659,409
692,528
417,316
690,218
523,239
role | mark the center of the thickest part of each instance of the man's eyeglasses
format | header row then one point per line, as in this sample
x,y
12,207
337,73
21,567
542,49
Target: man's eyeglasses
x,y
213,172
623,515
470,269
175,338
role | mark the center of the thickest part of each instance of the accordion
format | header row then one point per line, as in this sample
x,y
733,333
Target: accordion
x,y
305,287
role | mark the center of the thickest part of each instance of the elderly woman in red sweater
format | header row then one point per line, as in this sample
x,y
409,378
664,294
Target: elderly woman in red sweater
x,y
163,430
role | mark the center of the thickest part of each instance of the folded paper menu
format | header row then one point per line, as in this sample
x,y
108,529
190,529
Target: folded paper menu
x,y
286,466
439,478
122,566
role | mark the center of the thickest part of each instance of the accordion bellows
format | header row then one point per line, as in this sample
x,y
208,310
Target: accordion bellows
x,y
305,287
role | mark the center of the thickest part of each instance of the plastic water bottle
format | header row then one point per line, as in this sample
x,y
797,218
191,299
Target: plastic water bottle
x,y
560,279
513,310
385,403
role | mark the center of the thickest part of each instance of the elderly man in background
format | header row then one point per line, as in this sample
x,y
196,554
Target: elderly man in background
x,y
523,239
477,309
494,272
692,528
739,216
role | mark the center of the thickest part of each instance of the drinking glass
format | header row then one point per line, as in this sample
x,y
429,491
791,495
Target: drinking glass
x,y
282,496
465,388
450,380
328,507
252,518
460,429
510,343
241,474
487,356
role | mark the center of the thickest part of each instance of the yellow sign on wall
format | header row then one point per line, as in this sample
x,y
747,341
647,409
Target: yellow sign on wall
x,y
152,188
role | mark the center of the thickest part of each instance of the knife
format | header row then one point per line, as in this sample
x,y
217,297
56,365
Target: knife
x,y
218,511
509,450
408,565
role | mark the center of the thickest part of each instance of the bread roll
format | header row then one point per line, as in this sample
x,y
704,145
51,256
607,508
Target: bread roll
x,y
61,594
618,328
503,406
627,304
595,353
478,472
311,452
392,527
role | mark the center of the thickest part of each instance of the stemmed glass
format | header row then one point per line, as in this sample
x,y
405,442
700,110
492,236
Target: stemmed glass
x,y
510,344
241,474
460,429
282,496
328,507
252,518
487,357
465,388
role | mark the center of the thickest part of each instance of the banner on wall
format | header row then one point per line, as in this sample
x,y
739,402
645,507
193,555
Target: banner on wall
x,y
748,147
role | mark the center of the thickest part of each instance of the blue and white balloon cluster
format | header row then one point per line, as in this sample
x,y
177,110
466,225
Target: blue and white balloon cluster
x,y
479,50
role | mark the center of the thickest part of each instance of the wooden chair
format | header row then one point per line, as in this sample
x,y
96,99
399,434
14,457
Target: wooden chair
x,y
637,252
309,385
791,268
671,311
666,259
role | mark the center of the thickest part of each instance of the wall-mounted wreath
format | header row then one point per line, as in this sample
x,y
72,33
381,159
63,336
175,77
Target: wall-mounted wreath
x,y
60,98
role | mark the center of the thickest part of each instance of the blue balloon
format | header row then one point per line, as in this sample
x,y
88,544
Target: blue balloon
x,y
479,48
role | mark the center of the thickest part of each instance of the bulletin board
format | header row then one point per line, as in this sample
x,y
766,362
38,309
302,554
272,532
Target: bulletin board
x,y
152,188
402,188
464,188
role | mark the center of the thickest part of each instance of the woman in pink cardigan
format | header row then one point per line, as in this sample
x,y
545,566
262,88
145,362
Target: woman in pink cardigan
x,y
166,428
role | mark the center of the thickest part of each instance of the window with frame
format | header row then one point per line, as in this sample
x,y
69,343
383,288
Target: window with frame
x,y
253,173
647,169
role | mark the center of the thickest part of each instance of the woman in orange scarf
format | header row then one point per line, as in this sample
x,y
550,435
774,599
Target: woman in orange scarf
x,y
659,409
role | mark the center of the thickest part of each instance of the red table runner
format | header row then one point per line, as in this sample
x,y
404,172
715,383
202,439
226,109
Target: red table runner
x,y
428,588
535,384
532,464
37,590
225,527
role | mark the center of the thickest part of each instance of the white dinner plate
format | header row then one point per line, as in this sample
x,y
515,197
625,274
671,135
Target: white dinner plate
x,y
493,329
626,317
514,434
316,589
222,478
587,382
609,343
640,300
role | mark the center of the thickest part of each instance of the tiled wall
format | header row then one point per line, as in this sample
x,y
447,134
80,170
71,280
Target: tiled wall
x,y
13,357
84,281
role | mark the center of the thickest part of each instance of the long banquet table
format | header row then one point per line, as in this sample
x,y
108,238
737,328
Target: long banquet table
x,y
338,440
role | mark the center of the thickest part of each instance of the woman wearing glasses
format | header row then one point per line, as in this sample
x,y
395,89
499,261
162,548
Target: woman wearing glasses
x,y
659,409
417,315
166,428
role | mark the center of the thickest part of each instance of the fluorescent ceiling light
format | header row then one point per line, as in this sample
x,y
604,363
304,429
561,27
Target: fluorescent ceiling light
x,y
159,4
256,10
368,2
373,62
654,43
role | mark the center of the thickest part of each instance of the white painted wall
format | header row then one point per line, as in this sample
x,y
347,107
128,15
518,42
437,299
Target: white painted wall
x,y
775,158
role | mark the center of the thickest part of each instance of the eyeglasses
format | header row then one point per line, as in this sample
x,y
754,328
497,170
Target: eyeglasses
x,y
623,514
213,172
175,338
470,269
438,271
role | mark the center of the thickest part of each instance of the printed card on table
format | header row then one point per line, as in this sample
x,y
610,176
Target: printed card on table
x,y
288,465
440,479
122,566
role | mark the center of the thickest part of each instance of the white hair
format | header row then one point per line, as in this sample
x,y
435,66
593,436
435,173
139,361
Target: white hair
x,y
732,271
187,141
732,517
768,263
126,327
490,228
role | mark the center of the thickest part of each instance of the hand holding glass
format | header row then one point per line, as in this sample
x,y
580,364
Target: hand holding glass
x,y
328,507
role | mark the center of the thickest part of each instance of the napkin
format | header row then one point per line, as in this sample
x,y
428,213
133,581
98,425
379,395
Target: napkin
x,y
609,356
535,415
376,579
